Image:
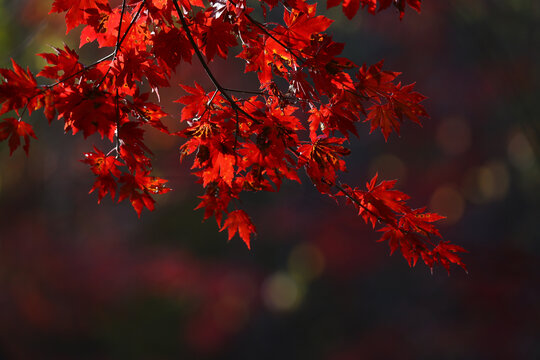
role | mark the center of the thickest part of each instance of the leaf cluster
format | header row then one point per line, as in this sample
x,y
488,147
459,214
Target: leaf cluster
x,y
305,110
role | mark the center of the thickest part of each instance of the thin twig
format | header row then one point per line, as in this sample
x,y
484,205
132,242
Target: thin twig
x,y
260,93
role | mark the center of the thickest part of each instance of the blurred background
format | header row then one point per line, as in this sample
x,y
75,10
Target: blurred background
x,y
80,280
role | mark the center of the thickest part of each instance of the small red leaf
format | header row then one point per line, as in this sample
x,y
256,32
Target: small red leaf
x,y
239,221
14,129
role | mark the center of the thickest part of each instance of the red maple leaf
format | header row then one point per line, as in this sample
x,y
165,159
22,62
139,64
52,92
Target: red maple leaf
x,y
62,64
421,221
301,27
217,37
171,46
76,10
138,188
105,168
350,7
259,56
239,221
380,202
446,253
18,89
384,117
323,158
102,164
392,103
15,129
374,82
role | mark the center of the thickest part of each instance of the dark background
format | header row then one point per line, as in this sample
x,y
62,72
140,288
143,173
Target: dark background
x,y
80,280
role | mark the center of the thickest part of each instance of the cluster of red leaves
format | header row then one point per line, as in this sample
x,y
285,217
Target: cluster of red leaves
x,y
409,230
350,7
305,109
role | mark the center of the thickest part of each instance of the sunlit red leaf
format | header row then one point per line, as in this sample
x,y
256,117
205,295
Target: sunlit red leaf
x,y
76,10
15,129
18,89
239,221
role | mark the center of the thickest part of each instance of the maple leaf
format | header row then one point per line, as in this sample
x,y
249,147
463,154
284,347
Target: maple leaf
x,y
300,86
62,64
147,112
380,202
222,167
18,89
404,229
373,81
391,102
195,103
106,169
301,27
259,56
325,151
398,239
446,253
216,200
100,26
137,188
323,159
412,247
350,7
406,103
76,10
88,110
171,46
132,146
383,4
133,65
104,184
101,164
239,221
48,107
137,199
384,117
420,221
15,129
217,38
160,4
400,5
383,191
